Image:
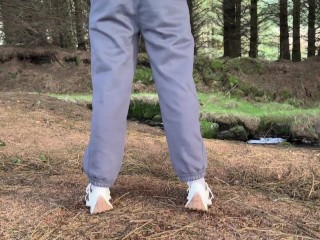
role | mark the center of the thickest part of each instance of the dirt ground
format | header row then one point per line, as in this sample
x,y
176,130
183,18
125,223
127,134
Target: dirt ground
x,y
260,192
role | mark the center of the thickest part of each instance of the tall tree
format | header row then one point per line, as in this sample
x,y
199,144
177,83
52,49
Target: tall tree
x,y
231,25
296,45
79,23
284,30
62,32
311,28
253,52
23,22
238,28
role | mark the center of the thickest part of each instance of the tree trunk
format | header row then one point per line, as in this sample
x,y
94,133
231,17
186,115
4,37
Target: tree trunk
x,y
284,31
78,10
226,26
192,22
231,28
311,28
7,28
253,53
62,33
238,29
296,46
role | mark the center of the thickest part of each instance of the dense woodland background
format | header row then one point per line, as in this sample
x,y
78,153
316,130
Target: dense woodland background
x,y
270,29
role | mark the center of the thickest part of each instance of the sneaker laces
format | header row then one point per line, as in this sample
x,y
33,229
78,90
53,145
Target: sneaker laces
x,y
211,196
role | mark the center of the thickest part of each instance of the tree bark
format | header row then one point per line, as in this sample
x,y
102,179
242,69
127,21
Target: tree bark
x,y
296,46
238,29
253,53
226,26
232,28
192,22
62,32
284,31
78,11
311,28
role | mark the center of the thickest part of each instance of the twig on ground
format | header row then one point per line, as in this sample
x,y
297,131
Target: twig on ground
x,y
118,199
312,187
137,229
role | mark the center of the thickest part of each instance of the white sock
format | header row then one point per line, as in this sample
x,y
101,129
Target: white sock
x,y
201,181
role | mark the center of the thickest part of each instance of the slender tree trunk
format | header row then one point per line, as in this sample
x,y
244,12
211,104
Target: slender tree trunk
x,y
63,34
311,28
226,26
253,53
192,22
231,29
238,29
284,31
78,10
296,46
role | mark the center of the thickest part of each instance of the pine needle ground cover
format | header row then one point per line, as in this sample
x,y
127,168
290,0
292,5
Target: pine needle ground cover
x,y
262,192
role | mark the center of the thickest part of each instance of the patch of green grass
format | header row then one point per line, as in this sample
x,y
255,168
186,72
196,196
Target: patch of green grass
x,y
219,112
73,97
221,104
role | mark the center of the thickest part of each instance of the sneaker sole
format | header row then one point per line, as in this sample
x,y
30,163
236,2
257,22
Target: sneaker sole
x,y
101,206
196,204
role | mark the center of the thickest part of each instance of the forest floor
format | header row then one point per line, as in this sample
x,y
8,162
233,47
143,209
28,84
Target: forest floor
x,y
261,192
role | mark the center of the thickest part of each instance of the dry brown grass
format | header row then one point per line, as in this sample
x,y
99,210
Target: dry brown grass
x,y
261,192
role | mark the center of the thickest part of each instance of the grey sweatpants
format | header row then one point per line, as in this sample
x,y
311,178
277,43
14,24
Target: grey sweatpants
x,y
165,26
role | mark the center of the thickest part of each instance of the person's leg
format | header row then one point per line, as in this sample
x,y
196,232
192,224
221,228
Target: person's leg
x,y
114,44
166,29
169,42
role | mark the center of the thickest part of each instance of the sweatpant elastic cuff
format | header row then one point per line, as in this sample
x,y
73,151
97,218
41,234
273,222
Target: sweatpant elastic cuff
x,y
192,177
100,184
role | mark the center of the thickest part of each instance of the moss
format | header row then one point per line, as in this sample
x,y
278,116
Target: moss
x,y
143,108
276,126
209,129
239,133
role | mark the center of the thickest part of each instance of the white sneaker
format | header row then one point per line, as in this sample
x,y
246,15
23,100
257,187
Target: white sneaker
x,y
98,199
199,197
